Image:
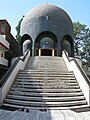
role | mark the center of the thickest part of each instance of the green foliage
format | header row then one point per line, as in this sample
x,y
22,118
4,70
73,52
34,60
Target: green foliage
x,y
18,37
82,40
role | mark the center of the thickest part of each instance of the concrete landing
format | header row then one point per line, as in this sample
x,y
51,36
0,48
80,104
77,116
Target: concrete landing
x,y
44,115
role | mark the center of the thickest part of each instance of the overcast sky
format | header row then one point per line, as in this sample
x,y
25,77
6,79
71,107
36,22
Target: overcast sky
x,y
13,10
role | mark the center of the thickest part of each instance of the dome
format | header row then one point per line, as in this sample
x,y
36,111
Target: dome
x,y
46,22
46,11
44,15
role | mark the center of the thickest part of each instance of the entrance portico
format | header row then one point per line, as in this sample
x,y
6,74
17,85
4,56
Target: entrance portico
x,y
46,44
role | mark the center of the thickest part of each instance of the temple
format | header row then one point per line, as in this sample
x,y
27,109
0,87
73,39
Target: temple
x,y
44,80
47,35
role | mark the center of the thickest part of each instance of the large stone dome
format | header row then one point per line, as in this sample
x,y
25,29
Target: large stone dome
x,y
39,15
46,19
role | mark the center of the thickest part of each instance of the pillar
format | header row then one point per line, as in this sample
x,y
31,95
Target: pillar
x,y
39,52
52,52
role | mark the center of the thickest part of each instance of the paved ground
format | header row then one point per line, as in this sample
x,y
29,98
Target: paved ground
x,y
44,115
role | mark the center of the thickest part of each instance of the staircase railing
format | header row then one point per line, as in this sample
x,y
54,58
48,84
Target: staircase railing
x,y
7,80
80,75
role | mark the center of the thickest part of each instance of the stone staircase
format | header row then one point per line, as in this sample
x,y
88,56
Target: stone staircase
x,y
45,84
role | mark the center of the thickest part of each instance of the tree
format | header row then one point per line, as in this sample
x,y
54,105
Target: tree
x,y
18,37
81,40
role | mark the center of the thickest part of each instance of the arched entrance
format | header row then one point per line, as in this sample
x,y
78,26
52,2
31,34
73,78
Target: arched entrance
x,y
67,44
46,44
26,43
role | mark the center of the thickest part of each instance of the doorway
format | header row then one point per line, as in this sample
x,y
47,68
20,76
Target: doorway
x,y
46,52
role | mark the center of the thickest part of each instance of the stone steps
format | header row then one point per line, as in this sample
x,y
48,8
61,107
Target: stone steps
x,y
45,108
45,84
45,77
48,77
47,87
44,104
52,74
60,83
68,94
46,99
46,70
48,81
46,63
45,90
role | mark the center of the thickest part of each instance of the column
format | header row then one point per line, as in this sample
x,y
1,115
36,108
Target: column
x,y
33,50
52,52
39,52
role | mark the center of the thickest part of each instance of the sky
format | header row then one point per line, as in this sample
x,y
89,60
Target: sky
x,y
13,10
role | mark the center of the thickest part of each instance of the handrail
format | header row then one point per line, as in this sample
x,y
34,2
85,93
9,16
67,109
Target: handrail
x,y
8,73
81,70
66,55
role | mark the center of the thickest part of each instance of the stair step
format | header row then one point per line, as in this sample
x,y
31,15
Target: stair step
x,y
43,71
37,87
63,85
45,108
52,99
60,83
49,77
46,70
42,78
43,104
45,94
45,90
44,75
44,81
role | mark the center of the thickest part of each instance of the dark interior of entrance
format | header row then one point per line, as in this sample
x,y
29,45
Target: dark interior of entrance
x,y
46,52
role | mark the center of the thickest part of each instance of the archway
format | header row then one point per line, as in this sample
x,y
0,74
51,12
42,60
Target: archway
x,y
26,43
46,44
68,45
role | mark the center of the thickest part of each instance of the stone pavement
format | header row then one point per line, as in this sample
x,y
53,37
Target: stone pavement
x,y
44,115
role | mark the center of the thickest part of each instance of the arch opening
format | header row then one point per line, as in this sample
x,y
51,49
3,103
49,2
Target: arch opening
x,y
46,44
26,43
68,45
